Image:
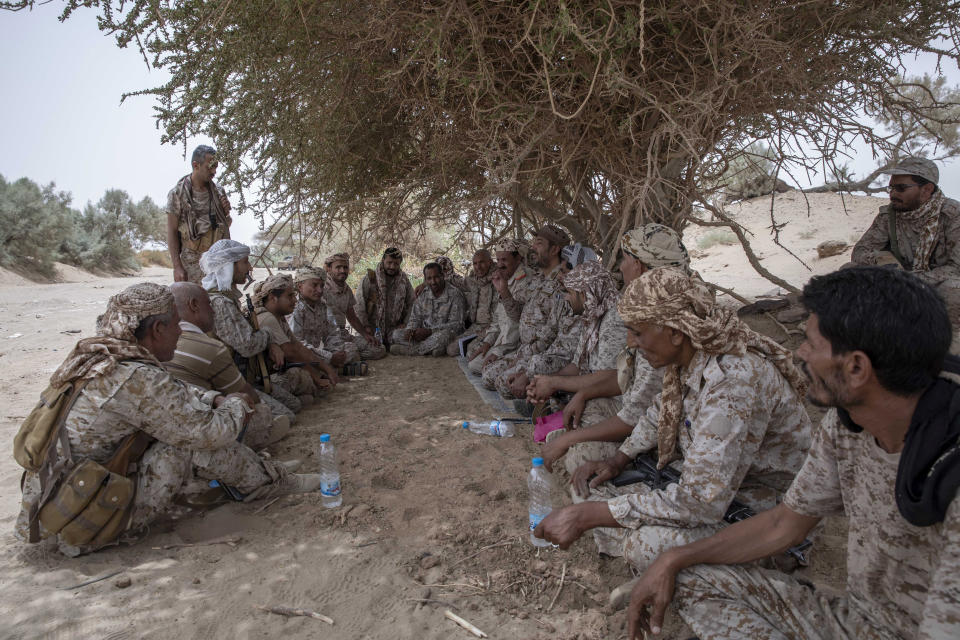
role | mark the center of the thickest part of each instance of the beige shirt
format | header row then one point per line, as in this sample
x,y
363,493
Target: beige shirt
x,y
903,578
204,361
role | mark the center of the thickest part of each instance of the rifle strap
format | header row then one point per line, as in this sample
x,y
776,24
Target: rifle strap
x,y
894,243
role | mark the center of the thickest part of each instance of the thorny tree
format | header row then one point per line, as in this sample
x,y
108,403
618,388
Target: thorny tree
x,y
383,115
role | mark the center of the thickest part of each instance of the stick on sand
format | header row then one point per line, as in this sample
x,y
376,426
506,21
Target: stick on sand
x,y
289,612
463,623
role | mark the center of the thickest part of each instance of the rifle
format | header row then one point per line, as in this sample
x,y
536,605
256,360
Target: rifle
x,y
644,469
261,363
294,365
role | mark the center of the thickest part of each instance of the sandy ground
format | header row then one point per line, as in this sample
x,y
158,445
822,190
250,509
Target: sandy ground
x,y
430,511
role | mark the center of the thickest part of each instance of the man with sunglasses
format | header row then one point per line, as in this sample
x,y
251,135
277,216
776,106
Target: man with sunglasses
x,y
919,231
198,214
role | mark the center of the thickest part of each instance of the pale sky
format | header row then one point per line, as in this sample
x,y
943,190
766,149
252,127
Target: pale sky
x,y
61,120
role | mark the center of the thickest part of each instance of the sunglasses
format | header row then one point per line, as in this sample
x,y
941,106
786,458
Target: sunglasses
x,y
900,188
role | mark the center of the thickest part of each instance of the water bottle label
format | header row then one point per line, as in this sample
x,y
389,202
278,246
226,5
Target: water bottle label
x,y
535,520
330,488
495,428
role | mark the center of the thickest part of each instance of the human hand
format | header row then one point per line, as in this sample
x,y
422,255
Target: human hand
x,y
593,473
419,289
650,597
540,389
371,338
490,358
338,359
225,203
179,273
562,527
276,355
554,449
482,350
500,284
573,412
419,335
518,385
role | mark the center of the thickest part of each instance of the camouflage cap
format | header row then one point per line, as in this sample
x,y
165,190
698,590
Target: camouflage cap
x,y
916,166
128,308
263,288
552,234
336,257
309,273
511,245
656,245
393,252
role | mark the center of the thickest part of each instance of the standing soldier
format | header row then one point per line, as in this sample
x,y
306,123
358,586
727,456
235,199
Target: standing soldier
x,y
198,214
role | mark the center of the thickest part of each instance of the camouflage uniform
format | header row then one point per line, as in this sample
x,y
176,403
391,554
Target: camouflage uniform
x,y
193,439
338,300
193,210
903,581
395,302
312,325
443,314
503,332
944,263
295,381
482,302
745,433
234,330
539,319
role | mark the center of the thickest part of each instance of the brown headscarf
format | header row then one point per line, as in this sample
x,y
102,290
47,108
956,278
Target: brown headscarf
x,y
924,220
115,340
667,297
336,257
309,273
600,290
262,289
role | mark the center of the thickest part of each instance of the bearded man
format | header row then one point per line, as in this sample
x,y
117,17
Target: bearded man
x,y
385,297
339,298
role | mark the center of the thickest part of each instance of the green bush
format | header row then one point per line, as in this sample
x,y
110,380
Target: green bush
x,y
719,236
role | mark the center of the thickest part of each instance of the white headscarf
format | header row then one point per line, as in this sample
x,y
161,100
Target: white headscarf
x,y
217,263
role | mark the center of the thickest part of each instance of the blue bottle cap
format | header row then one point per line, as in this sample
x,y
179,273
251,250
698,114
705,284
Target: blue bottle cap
x,y
538,462
325,437
465,425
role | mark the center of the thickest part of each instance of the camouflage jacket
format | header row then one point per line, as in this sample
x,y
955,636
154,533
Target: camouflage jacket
x,y
399,301
311,324
446,312
503,333
338,301
482,301
945,259
542,317
640,384
561,351
743,425
903,578
232,328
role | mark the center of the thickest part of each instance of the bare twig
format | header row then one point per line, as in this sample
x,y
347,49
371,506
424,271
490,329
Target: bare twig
x,y
482,549
563,574
266,506
291,612
83,584
229,540
450,615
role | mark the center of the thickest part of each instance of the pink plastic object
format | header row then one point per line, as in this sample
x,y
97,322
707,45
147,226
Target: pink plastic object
x,y
546,424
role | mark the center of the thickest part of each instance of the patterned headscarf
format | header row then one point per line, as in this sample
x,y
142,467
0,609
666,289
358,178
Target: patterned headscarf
x,y
446,265
600,290
262,289
925,220
309,273
115,340
392,252
668,297
336,257
512,245
656,246
577,254
217,263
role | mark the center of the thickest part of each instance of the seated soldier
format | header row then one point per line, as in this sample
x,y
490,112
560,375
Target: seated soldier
x,y
206,362
502,336
274,299
225,265
436,318
339,298
648,247
540,316
193,435
481,302
311,321
885,457
385,295
731,408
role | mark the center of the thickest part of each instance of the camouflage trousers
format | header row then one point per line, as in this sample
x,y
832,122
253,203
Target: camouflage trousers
x,y
356,349
752,603
259,430
276,407
290,384
166,472
435,344
191,263
453,349
491,373
641,546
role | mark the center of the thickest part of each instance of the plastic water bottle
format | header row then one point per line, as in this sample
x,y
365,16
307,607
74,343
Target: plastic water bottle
x,y
378,335
499,428
329,475
540,504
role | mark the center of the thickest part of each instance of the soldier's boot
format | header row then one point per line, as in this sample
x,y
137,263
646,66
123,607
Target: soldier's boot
x,y
291,465
279,429
401,350
287,484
